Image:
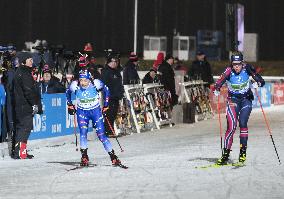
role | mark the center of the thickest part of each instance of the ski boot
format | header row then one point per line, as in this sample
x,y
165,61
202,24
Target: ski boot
x,y
84,158
225,157
243,154
20,151
114,159
29,156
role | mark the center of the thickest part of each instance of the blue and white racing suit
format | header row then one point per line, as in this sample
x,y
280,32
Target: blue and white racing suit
x,y
88,108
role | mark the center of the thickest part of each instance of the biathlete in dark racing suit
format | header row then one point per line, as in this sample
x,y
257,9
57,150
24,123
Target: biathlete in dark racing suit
x,y
239,102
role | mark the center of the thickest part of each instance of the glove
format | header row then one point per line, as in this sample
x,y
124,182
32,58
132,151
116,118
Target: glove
x,y
255,85
71,109
216,93
35,109
105,108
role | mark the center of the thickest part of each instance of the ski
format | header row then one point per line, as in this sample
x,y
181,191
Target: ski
x,y
81,167
215,165
94,165
120,165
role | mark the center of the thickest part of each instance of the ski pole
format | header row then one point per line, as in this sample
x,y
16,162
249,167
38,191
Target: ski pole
x,y
220,123
267,125
75,132
112,130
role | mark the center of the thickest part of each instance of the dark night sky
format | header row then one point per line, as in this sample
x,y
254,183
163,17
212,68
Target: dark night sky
x,y
109,23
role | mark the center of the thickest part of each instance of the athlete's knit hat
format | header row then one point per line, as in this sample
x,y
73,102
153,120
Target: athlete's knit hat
x,y
84,74
237,57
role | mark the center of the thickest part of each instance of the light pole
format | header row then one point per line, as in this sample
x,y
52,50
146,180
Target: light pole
x,y
135,26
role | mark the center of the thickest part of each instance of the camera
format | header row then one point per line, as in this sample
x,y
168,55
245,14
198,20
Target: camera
x,y
40,49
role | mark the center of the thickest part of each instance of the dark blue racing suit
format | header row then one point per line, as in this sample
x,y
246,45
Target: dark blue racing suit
x,y
239,101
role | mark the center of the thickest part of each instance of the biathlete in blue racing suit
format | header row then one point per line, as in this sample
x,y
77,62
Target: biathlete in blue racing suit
x,y
88,108
239,102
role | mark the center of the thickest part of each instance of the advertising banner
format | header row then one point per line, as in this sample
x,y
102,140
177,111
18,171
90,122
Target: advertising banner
x,y
55,121
278,93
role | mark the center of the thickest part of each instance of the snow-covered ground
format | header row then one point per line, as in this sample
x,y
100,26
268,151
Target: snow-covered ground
x,y
161,165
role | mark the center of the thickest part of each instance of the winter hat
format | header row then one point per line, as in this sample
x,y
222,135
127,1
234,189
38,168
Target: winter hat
x,y
88,47
169,56
133,57
237,57
158,61
24,57
46,69
200,52
84,74
83,61
111,57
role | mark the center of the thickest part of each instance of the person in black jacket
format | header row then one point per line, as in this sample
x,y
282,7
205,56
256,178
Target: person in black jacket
x,y
130,75
27,103
112,79
201,69
167,77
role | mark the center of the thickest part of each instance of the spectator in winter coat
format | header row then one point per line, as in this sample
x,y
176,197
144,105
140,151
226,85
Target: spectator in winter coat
x,y
130,75
50,84
150,77
27,104
111,77
167,77
201,69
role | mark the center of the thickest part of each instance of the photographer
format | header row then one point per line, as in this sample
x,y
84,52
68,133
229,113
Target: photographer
x,y
27,103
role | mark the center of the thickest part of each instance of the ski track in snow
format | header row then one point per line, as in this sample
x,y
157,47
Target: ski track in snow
x,y
161,165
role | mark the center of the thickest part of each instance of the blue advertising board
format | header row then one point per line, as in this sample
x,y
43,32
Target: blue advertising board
x,y
55,120
264,94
